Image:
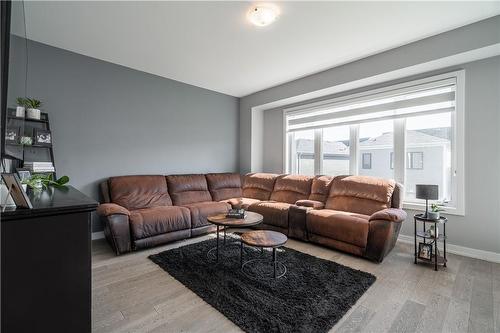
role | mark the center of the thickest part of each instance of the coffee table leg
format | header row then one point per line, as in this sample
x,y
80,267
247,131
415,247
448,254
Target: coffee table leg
x,y
224,235
274,261
217,244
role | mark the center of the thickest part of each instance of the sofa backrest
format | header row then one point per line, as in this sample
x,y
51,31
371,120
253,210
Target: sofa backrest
x,y
320,188
259,185
188,189
134,192
290,188
223,186
360,194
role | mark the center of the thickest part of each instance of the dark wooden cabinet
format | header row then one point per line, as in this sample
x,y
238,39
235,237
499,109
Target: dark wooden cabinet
x,y
46,264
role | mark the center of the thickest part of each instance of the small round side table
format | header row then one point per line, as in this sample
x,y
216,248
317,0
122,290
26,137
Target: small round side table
x,y
221,221
435,259
264,239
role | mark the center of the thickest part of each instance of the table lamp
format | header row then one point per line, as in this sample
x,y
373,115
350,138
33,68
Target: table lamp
x,y
427,192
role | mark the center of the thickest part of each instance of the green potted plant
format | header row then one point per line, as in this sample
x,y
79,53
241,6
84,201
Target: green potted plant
x,y
21,107
434,214
33,108
40,181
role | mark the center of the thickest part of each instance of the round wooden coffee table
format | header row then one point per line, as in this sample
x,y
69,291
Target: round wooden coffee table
x,y
221,221
264,239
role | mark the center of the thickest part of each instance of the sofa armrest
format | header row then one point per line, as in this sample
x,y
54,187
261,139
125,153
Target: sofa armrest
x,y
310,203
107,209
383,232
116,226
389,214
297,216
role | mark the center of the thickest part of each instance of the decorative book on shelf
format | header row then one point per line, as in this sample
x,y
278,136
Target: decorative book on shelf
x,y
29,143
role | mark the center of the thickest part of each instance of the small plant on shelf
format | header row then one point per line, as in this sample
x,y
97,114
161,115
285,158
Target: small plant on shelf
x,y
435,211
21,101
21,107
33,103
33,108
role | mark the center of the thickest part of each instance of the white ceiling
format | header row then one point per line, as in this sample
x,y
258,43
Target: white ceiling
x,y
211,45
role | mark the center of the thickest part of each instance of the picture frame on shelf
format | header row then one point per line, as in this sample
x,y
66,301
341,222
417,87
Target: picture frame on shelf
x,y
425,251
12,134
23,173
16,191
42,137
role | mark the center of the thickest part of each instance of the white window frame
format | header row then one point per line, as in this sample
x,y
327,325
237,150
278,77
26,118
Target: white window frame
x,y
457,205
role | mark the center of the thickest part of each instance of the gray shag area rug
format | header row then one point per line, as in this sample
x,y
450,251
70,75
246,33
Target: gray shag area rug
x,y
313,295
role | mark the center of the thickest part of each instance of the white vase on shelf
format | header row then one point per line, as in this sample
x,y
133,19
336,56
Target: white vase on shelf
x,y
20,111
33,113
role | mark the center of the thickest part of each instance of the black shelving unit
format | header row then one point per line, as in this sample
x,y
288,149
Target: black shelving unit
x,y
436,258
29,153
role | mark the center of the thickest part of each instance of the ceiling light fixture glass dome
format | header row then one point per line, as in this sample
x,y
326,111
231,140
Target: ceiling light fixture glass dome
x,y
263,14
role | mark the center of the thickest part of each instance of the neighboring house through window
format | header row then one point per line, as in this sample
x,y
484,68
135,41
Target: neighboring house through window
x,y
400,124
366,159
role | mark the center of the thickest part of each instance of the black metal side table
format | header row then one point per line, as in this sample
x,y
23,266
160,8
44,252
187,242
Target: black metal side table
x,y
436,258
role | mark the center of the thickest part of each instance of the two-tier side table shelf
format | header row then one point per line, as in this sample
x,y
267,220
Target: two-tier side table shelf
x,y
436,258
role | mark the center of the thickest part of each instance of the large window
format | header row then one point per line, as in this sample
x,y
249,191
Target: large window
x,y
411,132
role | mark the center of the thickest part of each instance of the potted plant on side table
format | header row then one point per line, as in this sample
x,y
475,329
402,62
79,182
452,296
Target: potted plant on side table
x,y
434,214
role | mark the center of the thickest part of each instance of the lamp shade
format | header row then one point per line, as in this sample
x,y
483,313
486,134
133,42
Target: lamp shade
x,y
428,192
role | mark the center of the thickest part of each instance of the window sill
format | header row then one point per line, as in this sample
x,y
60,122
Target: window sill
x,y
421,207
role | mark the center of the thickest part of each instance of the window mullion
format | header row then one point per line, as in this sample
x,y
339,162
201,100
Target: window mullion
x,y
399,150
318,151
353,149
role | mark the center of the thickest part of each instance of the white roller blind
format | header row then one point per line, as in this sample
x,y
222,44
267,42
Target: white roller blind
x,y
387,103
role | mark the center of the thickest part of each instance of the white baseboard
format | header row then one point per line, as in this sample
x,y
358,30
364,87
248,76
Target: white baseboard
x,y
460,250
97,235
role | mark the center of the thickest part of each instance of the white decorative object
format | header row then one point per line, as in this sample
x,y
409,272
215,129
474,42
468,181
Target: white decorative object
x,y
33,114
20,111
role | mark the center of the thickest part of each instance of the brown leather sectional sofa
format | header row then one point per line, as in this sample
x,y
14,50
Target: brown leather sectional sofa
x,y
356,214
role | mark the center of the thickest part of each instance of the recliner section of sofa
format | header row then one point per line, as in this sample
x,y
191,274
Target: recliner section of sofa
x,y
287,190
356,214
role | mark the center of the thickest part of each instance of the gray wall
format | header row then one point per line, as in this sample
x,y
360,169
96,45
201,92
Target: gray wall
x,y
109,120
475,36
480,227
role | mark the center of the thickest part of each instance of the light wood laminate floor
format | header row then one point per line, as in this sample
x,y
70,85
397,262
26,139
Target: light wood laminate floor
x,y
132,294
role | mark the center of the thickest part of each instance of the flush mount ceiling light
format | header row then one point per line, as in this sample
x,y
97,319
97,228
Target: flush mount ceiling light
x,y
263,14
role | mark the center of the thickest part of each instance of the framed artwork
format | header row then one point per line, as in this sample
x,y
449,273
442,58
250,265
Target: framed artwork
x,y
425,251
42,137
12,134
23,173
16,191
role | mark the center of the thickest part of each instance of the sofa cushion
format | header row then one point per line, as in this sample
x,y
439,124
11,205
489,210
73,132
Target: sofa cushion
x,y
275,213
148,222
201,210
347,227
224,186
134,192
259,185
241,202
290,188
188,189
320,188
360,194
